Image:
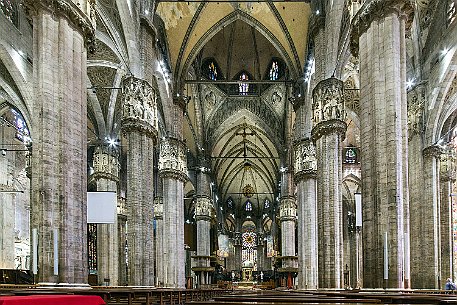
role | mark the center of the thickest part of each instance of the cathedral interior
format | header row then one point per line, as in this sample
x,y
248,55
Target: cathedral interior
x,y
305,143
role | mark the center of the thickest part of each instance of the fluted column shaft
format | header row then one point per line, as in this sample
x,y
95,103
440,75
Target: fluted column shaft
x,y
428,274
447,198
139,126
378,36
328,133
61,33
173,171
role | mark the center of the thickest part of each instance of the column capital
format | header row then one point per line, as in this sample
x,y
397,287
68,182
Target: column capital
x,y
328,127
204,209
432,151
105,164
83,22
172,159
305,160
447,166
288,209
328,102
139,107
373,10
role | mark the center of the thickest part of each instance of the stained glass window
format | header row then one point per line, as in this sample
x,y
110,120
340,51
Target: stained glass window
x,y
8,8
266,204
243,87
22,132
451,12
248,206
249,239
249,252
274,71
350,155
212,71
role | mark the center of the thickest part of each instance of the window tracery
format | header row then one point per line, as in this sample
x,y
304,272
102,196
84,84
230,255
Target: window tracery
x,y
244,87
8,8
274,70
212,74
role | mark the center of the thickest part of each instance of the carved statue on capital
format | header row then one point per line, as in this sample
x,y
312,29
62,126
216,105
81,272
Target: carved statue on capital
x,y
447,165
305,158
172,158
288,209
204,209
328,101
106,161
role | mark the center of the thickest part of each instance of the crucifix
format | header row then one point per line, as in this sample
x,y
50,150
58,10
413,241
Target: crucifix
x,y
244,134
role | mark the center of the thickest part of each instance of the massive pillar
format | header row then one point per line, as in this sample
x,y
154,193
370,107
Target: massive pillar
x,y
106,178
62,32
173,171
328,133
139,127
305,178
287,218
378,37
427,274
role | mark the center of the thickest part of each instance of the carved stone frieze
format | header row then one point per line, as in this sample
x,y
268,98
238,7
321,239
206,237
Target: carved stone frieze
x,y
305,160
139,109
416,102
328,101
288,209
172,159
375,10
204,209
158,208
81,21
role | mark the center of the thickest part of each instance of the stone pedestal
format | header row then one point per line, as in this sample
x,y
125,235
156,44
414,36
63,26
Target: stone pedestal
x,y
328,133
378,38
62,32
139,126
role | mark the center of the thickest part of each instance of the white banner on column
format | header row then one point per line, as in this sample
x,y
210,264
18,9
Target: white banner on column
x,y
101,207
358,209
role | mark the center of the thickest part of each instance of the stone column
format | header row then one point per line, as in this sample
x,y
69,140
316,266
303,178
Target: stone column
x,y
416,100
305,178
139,126
204,213
447,198
378,37
160,239
122,238
7,198
287,218
173,171
106,177
328,133
428,275
62,32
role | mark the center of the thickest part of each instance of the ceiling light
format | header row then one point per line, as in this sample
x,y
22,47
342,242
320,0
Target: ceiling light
x,y
317,12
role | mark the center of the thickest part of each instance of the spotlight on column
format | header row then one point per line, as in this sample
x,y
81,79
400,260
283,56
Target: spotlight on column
x,y
3,152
